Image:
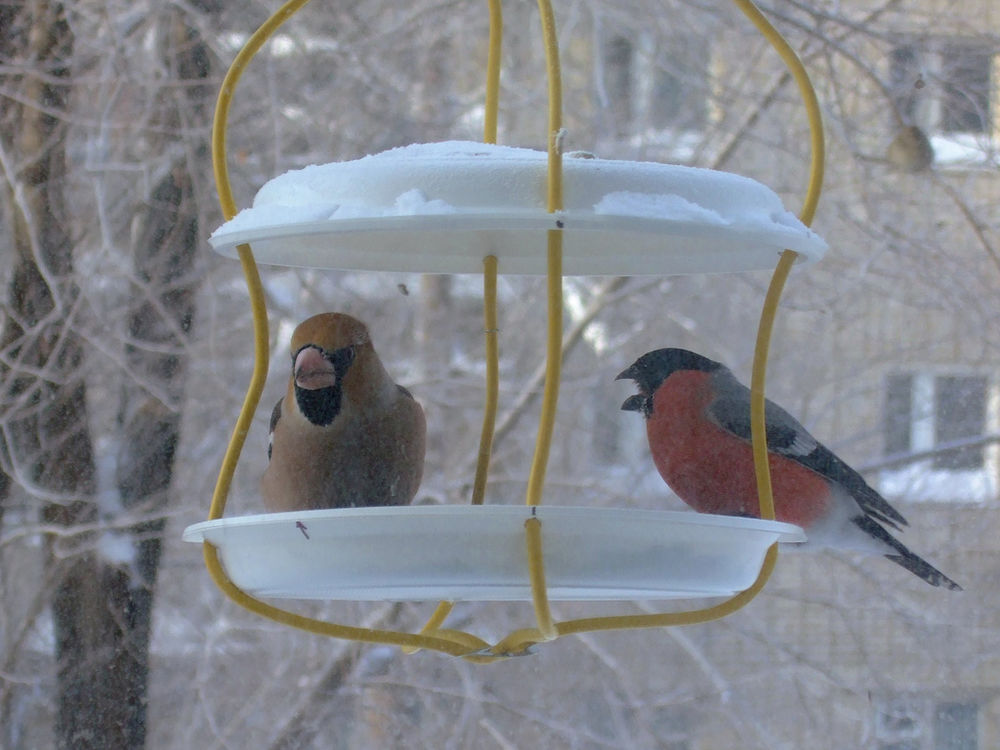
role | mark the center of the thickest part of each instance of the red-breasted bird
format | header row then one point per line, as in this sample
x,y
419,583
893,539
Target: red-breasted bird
x,y
344,435
698,424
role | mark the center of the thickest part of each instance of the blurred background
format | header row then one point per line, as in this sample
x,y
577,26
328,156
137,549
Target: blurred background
x,y
126,349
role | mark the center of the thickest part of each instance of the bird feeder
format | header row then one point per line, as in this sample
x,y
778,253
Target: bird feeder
x,y
461,207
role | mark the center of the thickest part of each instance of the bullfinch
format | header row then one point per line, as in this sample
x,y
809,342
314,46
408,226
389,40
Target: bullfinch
x,y
698,425
345,434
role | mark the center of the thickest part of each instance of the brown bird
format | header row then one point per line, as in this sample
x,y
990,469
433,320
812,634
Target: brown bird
x,y
910,150
344,435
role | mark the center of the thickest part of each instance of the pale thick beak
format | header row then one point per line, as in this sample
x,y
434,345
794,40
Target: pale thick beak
x,y
312,370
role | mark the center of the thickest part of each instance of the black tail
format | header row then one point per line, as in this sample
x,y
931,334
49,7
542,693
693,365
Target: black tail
x,y
913,563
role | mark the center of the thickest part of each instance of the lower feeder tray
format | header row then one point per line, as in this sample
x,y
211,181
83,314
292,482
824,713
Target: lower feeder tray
x,y
443,207
478,553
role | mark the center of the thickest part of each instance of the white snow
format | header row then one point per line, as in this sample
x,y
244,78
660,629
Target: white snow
x,y
453,202
669,207
921,482
285,212
116,549
109,501
964,150
338,190
410,203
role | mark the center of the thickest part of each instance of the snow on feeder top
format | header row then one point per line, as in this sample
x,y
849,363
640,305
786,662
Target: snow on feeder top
x,y
442,207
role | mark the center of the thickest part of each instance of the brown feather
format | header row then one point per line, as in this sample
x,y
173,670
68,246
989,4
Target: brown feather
x,y
372,453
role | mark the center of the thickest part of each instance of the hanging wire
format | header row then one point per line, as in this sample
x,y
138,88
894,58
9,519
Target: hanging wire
x,y
490,268
553,348
491,332
758,428
492,107
554,338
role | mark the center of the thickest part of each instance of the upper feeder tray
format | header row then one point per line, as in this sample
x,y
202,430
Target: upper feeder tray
x,y
443,207
477,552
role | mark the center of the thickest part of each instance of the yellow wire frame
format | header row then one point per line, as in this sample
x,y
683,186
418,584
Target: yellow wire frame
x,y
455,642
520,641
553,348
758,427
492,107
491,333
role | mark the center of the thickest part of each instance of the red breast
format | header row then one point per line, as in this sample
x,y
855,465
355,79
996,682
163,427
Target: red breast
x,y
712,470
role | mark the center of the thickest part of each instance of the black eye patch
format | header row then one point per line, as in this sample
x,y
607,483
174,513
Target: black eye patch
x,y
341,359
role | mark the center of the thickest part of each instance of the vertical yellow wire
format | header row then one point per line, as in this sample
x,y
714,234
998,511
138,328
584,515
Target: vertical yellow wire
x,y
491,114
553,356
539,591
490,269
758,427
492,377
254,287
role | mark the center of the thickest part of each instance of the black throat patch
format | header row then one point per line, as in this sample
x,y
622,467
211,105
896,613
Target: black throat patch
x,y
320,405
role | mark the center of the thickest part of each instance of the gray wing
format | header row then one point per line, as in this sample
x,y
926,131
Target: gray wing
x,y
787,437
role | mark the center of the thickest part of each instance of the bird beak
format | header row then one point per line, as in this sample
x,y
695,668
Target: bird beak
x,y
627,374
634,403
312,370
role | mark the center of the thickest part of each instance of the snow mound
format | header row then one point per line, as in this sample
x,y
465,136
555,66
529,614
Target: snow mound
x,y
441,207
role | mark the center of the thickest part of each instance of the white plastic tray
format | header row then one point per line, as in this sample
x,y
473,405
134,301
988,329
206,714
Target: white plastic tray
x,y
477,553
442,207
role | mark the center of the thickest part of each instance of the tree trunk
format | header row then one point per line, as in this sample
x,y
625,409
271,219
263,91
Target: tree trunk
x,y
101,605
50,448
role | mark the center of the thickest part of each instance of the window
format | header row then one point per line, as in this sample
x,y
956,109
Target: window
x,y
965,73
944,86
959,412
927,412
618,72
916,722
956,726
656,91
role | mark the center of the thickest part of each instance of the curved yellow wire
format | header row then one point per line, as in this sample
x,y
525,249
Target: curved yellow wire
x,y
456,642
490,268
553,348
757,402
520,641
254,287
490,323
758,427
554,337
